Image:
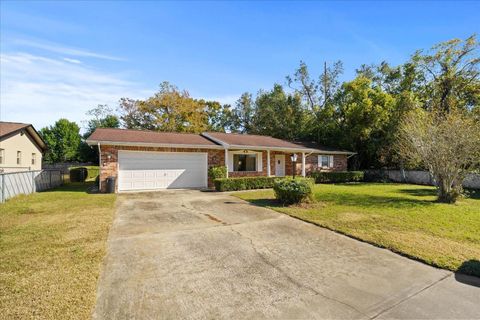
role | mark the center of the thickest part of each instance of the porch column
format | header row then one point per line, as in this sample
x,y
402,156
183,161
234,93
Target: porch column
x,y
303,164
268,163
226,160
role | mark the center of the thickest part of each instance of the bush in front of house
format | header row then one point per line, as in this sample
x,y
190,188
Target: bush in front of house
x,y
243,183
78,174
218,172
292,191
337,176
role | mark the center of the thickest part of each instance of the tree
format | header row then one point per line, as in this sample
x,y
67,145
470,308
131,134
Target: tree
x,y
173,110
448,145
243,114
63,140
279,114
364,112
219,116
316,93
103,117
451,74
132,117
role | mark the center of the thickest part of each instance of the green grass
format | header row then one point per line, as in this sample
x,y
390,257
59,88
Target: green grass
x,y
51,248
403,218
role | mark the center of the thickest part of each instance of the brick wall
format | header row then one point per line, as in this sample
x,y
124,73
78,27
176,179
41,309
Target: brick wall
x,y
109,166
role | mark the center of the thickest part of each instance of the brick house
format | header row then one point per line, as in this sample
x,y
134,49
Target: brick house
x,y
147,160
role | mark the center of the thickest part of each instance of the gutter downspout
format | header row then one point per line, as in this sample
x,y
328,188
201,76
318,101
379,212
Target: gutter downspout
x,y
99,168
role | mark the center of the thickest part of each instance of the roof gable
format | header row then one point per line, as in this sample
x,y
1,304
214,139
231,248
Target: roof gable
x,y
8,129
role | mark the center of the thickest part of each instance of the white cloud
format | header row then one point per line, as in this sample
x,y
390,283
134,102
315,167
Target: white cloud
x,y
57,48
72,60
40,90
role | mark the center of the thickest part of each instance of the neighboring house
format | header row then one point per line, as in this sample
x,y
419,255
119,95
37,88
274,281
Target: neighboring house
x,y
21,147
147,160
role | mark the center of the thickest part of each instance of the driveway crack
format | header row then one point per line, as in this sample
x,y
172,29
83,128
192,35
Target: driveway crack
x,y
292,280
410,296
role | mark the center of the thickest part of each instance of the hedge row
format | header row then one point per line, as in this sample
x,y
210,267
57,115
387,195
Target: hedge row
x,y
244,183
337,176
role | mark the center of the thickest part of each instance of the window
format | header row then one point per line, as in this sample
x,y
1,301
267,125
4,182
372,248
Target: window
x,y
244,162
34,158
325,161
19,157
2,156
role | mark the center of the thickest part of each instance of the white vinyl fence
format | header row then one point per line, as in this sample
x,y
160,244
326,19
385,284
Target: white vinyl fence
x,y
417,177
26,182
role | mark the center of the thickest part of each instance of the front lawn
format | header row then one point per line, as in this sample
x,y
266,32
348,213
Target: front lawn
x,y
401,217
51,248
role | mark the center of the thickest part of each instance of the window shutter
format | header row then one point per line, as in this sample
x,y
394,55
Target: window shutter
x,y
330,162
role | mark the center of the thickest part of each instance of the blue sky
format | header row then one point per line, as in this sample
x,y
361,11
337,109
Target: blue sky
x,y
60,59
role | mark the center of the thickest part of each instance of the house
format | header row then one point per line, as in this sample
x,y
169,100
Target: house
x,y
21,147
147,160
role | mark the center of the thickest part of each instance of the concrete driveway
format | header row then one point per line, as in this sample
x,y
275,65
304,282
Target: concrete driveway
x,y
197,255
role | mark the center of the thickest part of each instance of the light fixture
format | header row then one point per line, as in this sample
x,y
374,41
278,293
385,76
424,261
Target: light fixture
x,y
294,160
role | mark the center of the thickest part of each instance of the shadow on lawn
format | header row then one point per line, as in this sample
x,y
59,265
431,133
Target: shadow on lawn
x,y
368,201
467,270
427,192
420,192
85,187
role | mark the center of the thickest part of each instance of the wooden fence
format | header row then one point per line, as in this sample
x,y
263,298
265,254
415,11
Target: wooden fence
x,y
26,182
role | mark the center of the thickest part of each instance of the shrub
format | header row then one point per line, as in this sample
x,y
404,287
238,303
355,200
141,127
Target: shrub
x,y
337,176
217,172
290,191
244,183
79,174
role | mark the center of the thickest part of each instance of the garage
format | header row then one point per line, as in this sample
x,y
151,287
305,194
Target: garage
x,y
140,170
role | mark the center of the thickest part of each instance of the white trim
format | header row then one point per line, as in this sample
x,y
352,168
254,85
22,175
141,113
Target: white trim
x,y
303,164
269,174
158,145
258,159
99,168
330,161
226,160
288,149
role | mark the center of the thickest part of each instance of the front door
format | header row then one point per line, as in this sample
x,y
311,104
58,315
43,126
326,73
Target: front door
x,y
280,165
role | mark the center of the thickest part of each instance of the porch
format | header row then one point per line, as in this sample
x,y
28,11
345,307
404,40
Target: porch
x,y
270,163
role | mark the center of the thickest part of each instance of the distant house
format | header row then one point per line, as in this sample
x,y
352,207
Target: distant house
x,y
146,160
21,147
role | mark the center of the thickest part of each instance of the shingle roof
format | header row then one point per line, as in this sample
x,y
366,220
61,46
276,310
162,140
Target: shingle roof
x,y
149,137
238,139
8,127
208,139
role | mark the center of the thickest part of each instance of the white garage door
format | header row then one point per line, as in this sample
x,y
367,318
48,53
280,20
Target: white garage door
x,y
161,170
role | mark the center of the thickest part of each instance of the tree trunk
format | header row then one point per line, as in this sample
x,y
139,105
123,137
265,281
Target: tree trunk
x,y
448,192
